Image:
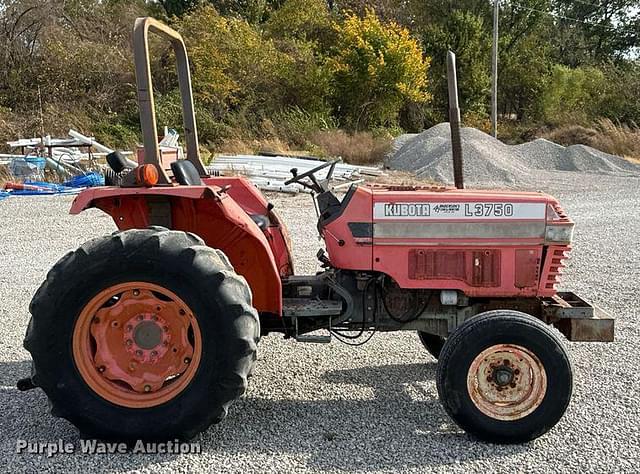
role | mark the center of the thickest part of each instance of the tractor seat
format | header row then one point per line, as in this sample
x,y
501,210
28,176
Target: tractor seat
x,y
186,173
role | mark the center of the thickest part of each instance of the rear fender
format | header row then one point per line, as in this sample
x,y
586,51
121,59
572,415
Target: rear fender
x,y
213,215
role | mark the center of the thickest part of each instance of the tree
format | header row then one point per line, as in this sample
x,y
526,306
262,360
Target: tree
x,y
593,32
377,68
178,7
463,33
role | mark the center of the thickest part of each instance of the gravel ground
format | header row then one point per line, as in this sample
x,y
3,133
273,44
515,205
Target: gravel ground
x,y
335,408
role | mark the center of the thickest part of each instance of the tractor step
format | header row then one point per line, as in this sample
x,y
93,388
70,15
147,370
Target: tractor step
x,y
301,307
314,338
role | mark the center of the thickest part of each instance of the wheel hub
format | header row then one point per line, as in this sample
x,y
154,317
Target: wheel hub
x,y
137,344
506,382
503,375
147,337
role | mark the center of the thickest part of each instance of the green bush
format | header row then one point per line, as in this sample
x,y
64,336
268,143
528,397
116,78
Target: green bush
x,y
236,68
377,67
307,20
117,135
573,94
298,125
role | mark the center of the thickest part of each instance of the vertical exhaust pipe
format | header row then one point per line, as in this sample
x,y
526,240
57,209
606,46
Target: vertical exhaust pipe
x,y
454,120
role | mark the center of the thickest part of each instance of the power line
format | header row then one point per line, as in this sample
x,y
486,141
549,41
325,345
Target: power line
x,y
596,5
561,17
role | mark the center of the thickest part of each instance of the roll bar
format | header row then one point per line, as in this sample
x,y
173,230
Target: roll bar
x,y
141,30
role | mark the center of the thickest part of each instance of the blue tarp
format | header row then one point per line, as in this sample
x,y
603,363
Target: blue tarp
x,y
72,186
88,180
45,189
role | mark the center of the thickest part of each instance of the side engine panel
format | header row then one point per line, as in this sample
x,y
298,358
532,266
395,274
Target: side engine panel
x,y
483,243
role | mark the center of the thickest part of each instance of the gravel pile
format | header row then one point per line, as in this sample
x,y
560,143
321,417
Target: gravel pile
x,y
490,163
333,408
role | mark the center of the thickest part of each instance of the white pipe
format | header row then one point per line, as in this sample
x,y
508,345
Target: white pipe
x,y
90,141
98,146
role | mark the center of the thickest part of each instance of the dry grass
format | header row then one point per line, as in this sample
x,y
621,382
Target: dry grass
x,y
622,140
402,178
5,176
360,148
605,135
238,146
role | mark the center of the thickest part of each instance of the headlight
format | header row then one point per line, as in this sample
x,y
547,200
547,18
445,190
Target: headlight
x,y
559,233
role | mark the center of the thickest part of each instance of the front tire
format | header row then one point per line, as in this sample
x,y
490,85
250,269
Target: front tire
x,y
145,334
432,343
504,377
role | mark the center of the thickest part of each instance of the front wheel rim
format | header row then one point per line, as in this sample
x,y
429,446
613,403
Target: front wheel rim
x,y
137,344
506,382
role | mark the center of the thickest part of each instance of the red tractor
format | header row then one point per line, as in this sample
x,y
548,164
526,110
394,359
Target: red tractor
x,y
152,332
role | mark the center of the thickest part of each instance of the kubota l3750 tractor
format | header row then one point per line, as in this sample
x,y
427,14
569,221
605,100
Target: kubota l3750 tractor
x,y
152,331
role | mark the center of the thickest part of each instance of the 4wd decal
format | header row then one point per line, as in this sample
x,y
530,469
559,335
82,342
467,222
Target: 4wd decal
x,y
458,210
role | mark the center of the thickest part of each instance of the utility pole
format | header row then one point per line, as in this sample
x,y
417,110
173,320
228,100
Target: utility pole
x,y
494,71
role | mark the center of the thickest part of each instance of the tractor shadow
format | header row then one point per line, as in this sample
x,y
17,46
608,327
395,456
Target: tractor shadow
x,y
395,423
365,419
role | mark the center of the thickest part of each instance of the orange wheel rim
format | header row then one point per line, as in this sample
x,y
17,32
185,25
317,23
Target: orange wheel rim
x,y
137,344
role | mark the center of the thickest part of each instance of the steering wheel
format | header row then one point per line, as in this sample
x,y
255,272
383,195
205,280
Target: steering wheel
x,y
319,186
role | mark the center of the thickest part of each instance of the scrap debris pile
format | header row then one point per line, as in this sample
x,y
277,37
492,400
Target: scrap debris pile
x,y
75,163
269,173
35,161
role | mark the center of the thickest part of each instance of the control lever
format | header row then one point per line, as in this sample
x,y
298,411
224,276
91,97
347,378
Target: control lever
x,y
322,257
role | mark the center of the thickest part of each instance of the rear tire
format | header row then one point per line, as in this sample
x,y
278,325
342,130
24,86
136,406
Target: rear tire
x,y
218,301
432,343
504,377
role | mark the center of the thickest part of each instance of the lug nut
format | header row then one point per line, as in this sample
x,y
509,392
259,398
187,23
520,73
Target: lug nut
x,y
129,327
139,353
136,292
154,318
140,317
102,368
147,388
154,353
129,342
182,312
187,360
